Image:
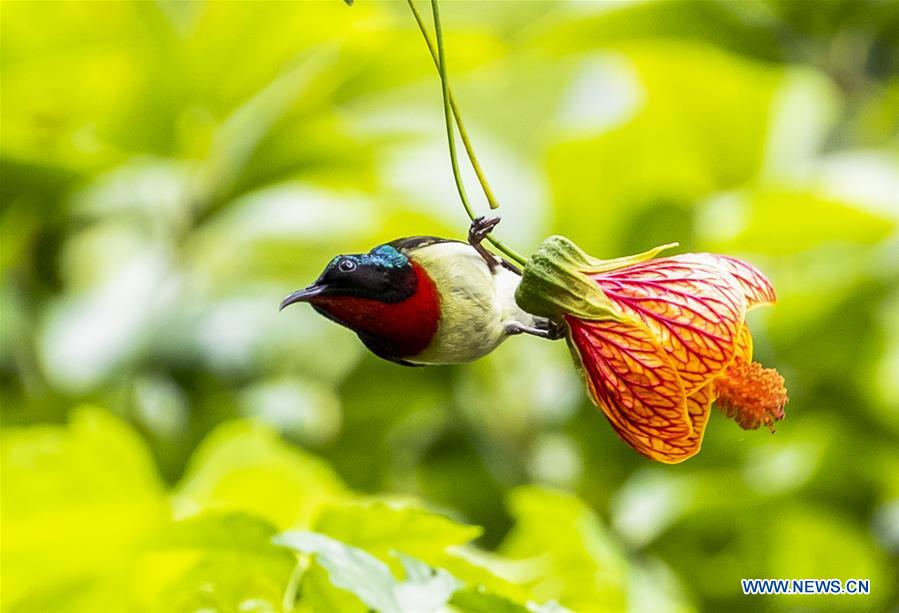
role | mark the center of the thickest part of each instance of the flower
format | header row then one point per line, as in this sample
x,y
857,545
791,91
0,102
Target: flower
x,y
659,340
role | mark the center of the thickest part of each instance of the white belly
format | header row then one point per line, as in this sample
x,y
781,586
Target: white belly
x,y
474,304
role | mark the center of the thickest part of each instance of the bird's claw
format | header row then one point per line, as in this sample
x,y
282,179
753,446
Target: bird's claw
x,y
543,328
554,331
477,232
480,228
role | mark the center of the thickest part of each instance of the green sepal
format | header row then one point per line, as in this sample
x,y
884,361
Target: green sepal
x,y
555,282
600,266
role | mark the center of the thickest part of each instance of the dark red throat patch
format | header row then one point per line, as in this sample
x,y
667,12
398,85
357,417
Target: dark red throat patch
x,y
407,326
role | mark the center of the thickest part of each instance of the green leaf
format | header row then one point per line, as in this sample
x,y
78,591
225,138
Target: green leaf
x,y
243,466
574,560
381,527
349,568
225,531
354,570
654,587
222,562
388,528
475,600
77,501
425,588
481,601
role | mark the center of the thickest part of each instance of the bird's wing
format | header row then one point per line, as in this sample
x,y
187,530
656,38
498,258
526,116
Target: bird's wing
x,y
411,243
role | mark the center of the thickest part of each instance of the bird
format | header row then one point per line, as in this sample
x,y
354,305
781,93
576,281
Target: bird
x,y
425,300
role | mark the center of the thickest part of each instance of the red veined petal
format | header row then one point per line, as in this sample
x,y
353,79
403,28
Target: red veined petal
x,y
631,378
693,307
699,405
756,287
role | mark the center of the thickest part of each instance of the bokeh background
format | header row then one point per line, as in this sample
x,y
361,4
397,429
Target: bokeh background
x,y
170,170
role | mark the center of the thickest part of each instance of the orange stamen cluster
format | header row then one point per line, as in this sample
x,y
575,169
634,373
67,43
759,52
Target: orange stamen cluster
x,y
751,395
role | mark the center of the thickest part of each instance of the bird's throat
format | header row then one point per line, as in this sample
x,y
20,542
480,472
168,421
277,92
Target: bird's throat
x,y
403,329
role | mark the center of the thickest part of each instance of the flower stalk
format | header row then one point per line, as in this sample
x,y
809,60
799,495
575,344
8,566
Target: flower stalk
x,y
457,115
451,111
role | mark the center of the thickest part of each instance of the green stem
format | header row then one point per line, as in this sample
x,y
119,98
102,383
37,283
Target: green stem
x,y
444,84
466,142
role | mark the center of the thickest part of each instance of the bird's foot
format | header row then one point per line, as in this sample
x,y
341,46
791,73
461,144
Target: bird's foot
x,y
554,331
477,232
480,228
543,328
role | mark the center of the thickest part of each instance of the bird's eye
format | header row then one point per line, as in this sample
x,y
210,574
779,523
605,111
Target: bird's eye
x,y
346,265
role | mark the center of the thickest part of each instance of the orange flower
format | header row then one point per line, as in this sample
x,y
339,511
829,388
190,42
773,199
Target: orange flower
x,y
659,340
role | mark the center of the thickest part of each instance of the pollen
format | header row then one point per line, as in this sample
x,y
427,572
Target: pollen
x,y
751,395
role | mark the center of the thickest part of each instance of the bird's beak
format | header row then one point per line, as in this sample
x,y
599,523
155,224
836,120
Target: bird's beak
x,y
302,295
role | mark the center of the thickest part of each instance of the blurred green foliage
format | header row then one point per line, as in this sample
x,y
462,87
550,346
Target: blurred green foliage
x,y
170,170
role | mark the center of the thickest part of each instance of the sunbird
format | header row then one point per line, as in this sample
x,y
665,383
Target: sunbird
x,y
426,300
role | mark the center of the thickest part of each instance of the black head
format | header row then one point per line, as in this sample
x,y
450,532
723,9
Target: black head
x,y
384,274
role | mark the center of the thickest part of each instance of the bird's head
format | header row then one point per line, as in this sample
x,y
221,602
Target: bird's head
x,y
383,295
